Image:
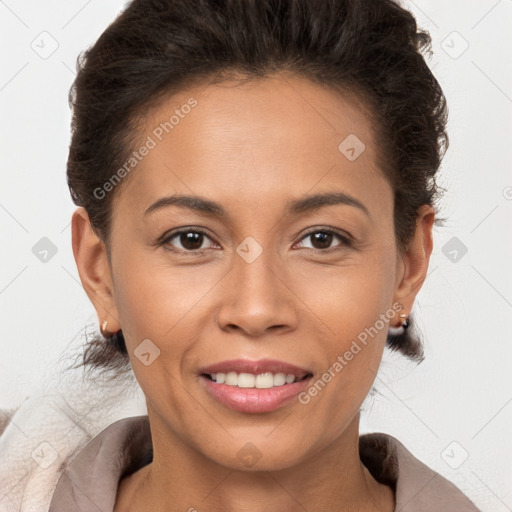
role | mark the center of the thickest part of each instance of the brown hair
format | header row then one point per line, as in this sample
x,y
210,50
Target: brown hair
x,y
372,48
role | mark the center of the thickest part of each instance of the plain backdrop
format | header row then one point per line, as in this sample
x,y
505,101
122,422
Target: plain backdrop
x,y
454,410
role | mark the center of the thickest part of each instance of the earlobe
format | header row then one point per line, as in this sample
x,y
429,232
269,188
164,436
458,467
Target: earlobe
x,y
92,264
415,259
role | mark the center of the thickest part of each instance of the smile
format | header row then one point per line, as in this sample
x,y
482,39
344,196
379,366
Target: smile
x,y
253,399
248,380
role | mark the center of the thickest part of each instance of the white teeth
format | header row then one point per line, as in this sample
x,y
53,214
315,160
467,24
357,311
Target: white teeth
x,y
249,380
231,379
279,379
264,380
246,380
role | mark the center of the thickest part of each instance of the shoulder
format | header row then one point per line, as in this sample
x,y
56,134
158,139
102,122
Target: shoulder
x,y
34,450
38,441
417,487
117,451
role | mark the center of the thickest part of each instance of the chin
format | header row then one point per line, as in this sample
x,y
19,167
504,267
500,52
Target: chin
x,y
258,455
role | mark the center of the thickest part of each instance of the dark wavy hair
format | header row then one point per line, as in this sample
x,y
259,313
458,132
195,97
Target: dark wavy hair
x,y
371,48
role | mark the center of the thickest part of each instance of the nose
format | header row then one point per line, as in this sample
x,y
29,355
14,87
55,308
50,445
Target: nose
x,y
257,297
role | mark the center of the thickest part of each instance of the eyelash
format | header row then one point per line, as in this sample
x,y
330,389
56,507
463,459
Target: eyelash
x,y
347,242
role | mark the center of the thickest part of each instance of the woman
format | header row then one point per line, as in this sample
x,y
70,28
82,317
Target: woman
x,y
256,191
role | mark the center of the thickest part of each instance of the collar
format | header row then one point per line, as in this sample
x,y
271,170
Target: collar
x,y
90,482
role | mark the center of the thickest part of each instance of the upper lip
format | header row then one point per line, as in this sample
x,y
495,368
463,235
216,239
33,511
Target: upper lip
x,y
255,367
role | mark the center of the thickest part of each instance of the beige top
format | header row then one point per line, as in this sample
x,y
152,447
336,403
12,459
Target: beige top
x,y
91,481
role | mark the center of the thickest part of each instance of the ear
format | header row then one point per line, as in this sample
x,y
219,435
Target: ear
x,y
412,265
94,270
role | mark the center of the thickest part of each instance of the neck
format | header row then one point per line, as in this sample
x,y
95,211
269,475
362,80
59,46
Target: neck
x,y
180,478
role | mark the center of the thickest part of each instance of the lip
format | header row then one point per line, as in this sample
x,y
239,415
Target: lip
x,y
254,400
255,367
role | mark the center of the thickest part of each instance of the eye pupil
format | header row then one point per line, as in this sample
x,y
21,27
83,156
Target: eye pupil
x,y
325,239
189,240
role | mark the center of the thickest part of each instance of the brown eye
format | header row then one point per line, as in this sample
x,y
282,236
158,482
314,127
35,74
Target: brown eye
x,y
186,241
321,239
191,241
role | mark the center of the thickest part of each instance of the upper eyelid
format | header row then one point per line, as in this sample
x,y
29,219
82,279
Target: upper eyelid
x,y
346,239
338,232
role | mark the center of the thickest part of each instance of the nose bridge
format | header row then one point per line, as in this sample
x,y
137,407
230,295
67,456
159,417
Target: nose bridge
x,y
256,297
255,266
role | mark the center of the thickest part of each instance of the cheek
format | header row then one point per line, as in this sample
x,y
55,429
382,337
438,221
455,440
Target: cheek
x,y
354,306
153,298
350,297
167,305
357,333
153,305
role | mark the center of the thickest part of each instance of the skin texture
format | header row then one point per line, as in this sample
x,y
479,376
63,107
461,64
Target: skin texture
x,y
252,147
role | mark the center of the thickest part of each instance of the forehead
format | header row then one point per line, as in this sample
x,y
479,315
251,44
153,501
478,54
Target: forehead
x,y
258,140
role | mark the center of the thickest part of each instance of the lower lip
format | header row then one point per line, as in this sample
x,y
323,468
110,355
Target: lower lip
x,y
254,400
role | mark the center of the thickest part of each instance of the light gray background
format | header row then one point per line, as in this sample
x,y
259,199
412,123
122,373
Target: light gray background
x,y
454,411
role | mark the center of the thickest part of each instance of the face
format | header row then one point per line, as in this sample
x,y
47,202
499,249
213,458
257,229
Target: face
x,y
191,287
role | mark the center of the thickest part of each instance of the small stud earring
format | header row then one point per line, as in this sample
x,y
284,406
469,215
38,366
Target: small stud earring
x,y
397,331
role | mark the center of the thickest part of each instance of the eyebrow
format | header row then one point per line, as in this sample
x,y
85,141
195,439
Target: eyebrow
x,y
293,207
